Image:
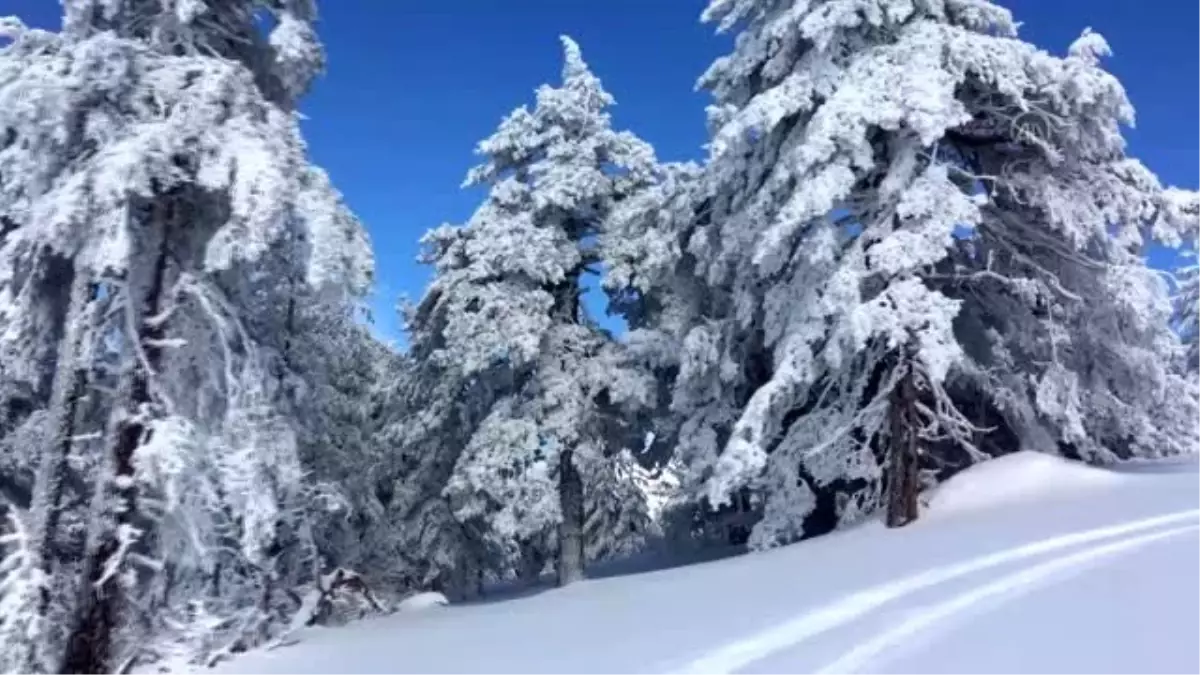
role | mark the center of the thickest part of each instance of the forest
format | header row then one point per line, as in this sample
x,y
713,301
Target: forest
x,y
916,243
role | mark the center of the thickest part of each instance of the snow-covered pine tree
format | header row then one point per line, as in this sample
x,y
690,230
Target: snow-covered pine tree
x,y
537,382
299,306
1084,362
878,171
150,153
1187,283
338,368
652,284
427,416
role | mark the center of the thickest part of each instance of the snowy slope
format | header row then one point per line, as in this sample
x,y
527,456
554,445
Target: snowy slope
x,y
1025,564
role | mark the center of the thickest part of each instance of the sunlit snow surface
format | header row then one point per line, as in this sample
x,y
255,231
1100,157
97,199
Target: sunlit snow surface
x,y
1025,564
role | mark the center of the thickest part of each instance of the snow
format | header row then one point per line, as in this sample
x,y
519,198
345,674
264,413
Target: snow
x,y
1021,476
422,601
1100,579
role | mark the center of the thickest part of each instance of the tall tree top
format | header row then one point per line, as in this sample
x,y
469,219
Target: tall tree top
x,y
576,72
554,171
566,139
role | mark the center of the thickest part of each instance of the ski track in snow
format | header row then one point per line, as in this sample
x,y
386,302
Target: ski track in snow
x,y
737,655
1005,588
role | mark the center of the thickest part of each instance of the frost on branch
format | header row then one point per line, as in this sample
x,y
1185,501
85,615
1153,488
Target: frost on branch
x,y
21,585
1090,47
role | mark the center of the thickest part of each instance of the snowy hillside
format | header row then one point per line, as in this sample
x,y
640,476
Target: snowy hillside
x,y
1024,564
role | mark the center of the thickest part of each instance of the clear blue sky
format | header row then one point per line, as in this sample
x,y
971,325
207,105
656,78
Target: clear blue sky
x,y
414,84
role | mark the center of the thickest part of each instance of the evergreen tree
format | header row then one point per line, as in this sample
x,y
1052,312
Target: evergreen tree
x,y
338,373
152,163
537,382
427,416
903,202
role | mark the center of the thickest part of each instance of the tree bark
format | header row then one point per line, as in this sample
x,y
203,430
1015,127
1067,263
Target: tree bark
x,y
570,482
90,642
69,387
903,479
533,561
570,530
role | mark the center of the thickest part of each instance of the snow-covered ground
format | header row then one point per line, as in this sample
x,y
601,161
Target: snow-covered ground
x,y
1025,564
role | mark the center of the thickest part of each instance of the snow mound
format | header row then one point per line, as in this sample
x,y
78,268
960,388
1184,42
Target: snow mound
x,y
1019,477
422,601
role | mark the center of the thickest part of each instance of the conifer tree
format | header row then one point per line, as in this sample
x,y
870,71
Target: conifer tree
x,y
152,162
539,382
909,224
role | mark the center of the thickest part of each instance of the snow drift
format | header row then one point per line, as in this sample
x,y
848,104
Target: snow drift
x,y
1021,476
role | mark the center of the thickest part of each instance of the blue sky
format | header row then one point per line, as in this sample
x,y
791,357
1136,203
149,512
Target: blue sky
x,y
414,84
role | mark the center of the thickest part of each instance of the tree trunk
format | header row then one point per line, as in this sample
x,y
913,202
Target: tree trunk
x,y
533,561
570,483
69,387
570,531
90,642
903,480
